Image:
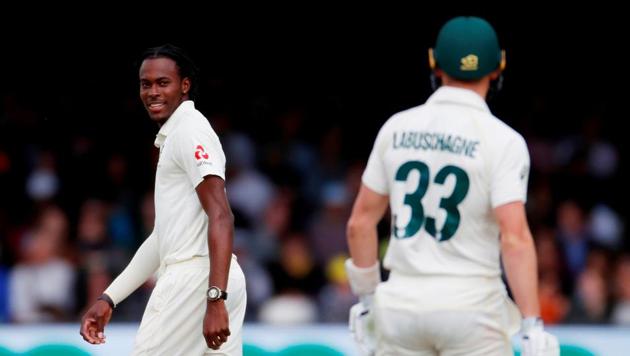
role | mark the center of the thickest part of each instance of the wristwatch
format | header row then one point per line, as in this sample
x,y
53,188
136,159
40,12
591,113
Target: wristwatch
x,y
215,293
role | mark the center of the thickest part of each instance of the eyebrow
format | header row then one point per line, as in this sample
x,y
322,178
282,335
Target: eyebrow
x,y
155,80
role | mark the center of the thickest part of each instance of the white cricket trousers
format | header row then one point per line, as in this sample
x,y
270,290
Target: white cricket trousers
x,y
172,323
444,316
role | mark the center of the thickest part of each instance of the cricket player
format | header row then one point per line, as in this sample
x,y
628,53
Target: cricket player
x,y
198,304
455,178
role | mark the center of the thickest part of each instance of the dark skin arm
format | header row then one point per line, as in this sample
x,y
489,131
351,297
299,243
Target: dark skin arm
x,y
94,321
211,193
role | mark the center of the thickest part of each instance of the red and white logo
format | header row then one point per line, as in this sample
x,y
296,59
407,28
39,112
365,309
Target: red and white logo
x,y
200,153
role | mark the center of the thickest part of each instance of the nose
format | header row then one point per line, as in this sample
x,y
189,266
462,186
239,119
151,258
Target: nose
x,y
154,90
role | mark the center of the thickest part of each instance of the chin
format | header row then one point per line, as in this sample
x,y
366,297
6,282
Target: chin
x,y
158,117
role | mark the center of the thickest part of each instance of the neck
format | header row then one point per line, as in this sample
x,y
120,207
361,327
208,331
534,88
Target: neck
x,y
480,87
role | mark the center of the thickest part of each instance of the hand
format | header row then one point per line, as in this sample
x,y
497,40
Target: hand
x,y
362,326
216,324
94,321
536,341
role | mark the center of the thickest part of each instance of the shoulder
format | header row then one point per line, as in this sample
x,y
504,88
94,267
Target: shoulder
x,y
415,112
195,120
503,134
194,125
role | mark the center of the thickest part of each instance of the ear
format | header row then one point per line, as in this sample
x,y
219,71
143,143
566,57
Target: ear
x,y
432,64
186,84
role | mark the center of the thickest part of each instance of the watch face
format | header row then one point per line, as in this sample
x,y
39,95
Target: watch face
x,y
213,293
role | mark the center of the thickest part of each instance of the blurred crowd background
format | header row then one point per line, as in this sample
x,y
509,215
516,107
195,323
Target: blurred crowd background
x,y
297,122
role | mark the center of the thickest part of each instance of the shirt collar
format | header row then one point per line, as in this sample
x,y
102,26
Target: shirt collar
x,y
458,96
172,121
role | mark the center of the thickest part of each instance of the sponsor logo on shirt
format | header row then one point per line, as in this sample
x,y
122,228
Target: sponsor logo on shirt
x,y
201,153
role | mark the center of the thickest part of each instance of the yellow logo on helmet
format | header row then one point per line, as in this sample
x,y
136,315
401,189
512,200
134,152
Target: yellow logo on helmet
x,y
469,63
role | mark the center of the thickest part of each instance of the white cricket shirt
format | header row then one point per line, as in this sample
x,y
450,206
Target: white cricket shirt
x,y
189,151
445,165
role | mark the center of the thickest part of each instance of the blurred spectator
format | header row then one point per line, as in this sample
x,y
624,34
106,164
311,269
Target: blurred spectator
x,y
327,231
549,257
258,281
296,272
602,157
621,309
248,190
121,227
299,155
540,202
117,190
336,297
553,304
4,294
98,258
598,260
590,301
264,242
353,179
41,286
573,236
288,309
605,226
541,153
328,167
43,183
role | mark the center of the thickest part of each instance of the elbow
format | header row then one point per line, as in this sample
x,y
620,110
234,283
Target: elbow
x,y
356,227
513,243
223,218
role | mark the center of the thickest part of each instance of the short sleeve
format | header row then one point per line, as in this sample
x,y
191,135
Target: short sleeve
x,y
510,173
200,154
375,174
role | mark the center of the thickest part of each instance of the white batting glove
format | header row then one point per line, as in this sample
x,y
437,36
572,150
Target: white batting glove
x,y
362,326
536,341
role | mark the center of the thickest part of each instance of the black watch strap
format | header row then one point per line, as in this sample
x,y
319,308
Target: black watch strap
x,y
106,298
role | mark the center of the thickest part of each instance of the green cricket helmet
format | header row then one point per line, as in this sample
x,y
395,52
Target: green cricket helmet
x,y
467,49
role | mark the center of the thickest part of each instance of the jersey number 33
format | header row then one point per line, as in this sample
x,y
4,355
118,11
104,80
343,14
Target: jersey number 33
x,y
414,201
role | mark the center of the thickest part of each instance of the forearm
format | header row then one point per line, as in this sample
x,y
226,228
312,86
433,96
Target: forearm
x,y
519,260
363,268
363,243
143,264
220,241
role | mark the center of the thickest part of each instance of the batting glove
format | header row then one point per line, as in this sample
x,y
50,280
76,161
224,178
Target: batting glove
x,y
536,341
362,326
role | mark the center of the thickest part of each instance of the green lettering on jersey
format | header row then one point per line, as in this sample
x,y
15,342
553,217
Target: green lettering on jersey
x,y
434,141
